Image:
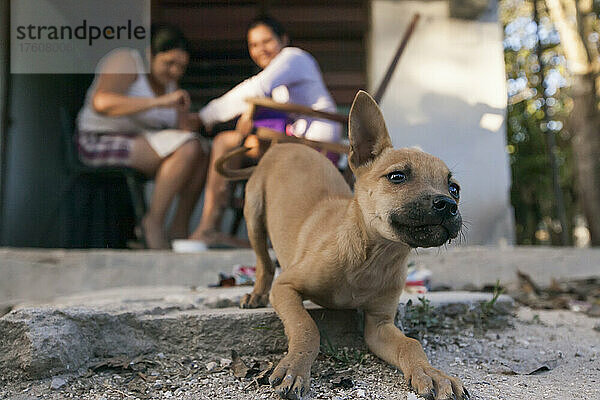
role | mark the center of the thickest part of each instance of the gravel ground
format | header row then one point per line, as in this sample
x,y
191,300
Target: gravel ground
x,y
533,355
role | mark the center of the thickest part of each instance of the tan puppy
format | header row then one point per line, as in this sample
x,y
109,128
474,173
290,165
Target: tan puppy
x,y
341,250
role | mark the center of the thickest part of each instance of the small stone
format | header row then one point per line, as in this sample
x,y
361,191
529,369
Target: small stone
x,y
360,393
168,394
57,383
211,366
225,362
594,311
342,382
161,355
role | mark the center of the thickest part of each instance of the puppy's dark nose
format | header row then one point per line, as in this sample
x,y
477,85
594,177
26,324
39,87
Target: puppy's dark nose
x,y
445,206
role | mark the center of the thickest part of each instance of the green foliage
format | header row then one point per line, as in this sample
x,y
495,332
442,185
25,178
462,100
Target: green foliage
x,y
488,307
422,319
341,355
539,105
536,319
422,314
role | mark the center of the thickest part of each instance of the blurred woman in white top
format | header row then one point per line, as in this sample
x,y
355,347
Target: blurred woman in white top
x,y
289,74
141,120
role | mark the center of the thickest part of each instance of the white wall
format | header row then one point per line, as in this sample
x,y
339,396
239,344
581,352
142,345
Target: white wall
x,y
448,96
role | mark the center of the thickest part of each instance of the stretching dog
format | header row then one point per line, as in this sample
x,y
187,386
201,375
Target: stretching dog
x,y
344,250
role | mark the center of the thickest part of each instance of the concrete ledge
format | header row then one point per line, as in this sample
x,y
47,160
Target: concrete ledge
x,y
41,275
44,340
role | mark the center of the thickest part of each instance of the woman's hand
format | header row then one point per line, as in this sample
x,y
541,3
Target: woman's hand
x,y
244,124
179,99
257,147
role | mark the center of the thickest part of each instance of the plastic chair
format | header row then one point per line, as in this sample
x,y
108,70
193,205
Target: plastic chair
x,y
274,136
134,179
236,200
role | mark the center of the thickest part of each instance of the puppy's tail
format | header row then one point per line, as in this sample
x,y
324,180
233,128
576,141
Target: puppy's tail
x,y
233,174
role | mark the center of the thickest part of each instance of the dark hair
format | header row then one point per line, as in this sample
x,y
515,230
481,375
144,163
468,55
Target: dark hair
x,y
164,37
270,22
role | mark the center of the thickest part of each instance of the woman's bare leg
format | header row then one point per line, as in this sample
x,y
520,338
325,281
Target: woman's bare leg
x,y
216,192
188,198
143,157
171,174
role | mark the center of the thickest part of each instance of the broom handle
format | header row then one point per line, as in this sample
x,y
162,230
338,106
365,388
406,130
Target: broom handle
x,y
390,71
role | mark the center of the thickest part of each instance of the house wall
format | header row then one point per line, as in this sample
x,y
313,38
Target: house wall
x,y
43,205
448,97
34,173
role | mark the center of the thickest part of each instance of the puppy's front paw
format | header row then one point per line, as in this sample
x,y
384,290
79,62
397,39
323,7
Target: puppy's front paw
x,y
254,300
291,378
432,383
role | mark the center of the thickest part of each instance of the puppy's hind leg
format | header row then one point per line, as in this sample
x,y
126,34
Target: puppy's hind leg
x,y
254,212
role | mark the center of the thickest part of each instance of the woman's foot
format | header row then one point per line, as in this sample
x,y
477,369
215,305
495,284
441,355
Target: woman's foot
x,y
215,240
153,234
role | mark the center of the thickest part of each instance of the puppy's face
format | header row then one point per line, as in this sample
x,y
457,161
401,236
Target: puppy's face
x,y
410,196
405,195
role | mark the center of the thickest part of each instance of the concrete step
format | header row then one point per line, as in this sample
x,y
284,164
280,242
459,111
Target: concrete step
x,y
42,340
41,275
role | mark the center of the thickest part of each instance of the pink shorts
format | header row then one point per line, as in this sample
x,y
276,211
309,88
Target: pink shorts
x,y
114,149
105,149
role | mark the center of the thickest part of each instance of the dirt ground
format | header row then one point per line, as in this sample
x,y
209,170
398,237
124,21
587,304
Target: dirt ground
x,y
532,354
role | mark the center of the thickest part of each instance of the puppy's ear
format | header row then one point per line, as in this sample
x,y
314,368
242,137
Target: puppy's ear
x,y
367,131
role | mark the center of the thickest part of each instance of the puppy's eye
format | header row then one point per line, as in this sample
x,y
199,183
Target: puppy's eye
x,y
396,177
454,190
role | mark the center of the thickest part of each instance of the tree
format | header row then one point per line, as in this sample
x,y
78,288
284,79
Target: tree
x,y
539,147
577,23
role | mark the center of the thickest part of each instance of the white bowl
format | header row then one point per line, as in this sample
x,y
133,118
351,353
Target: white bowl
x,y
188,246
